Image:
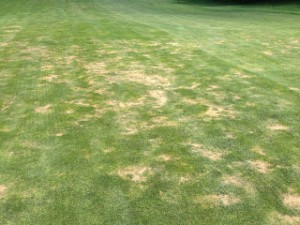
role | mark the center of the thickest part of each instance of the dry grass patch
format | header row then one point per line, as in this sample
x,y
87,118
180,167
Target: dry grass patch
x,y
212,155
260,166
279,219
292,201
3,188
164,157
258,150
50,77
160,98
135,173
43,109
241,75
216,112
278,127
216,200
96,68
232,180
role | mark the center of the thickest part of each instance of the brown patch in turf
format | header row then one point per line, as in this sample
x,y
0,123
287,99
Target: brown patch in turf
x,y
212,155
43,109
241,75
3,188
268,53
50,77
258,150
160,98
216,112
70,59
46,67
3,44
192,87
292,201
164,157
278,127
215,156
98,68
59,134
232,180
294,89
194,101
216,200
212,87
126,105
260,166
279,219
135,173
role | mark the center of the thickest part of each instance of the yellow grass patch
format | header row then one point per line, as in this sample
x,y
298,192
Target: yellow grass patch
x,y
292,201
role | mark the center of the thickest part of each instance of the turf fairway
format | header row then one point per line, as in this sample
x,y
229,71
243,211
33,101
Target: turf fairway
x,y
149,112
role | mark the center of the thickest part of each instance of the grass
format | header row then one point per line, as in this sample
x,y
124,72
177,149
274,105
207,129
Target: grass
x,y
149,112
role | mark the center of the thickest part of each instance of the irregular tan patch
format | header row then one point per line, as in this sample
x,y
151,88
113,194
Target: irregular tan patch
x,y
258,150
217,200
100,91
98,68
184,179
160,98
70,59
215,156
260,166
46,67
292,201
279,219
59,134
241,75
135,173
3,44
278,127
232,180
294,89
149,80
216,112
125,105
164,157
212,155
3,188
43,109
268,53
212,87
195,101
50,77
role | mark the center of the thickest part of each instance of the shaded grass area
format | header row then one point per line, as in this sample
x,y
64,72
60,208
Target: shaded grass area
x,y
148,112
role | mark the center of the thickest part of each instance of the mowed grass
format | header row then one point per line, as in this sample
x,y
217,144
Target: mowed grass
x,y
149,112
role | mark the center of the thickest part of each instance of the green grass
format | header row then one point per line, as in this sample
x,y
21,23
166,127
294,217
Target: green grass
x,y
148,112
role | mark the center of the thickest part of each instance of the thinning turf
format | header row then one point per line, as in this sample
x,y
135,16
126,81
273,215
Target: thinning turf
x,y
148,112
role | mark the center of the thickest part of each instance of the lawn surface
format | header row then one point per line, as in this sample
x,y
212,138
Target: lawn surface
x,y
148,112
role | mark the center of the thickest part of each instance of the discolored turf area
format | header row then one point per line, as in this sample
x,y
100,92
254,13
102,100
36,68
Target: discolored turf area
x,y
149,112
